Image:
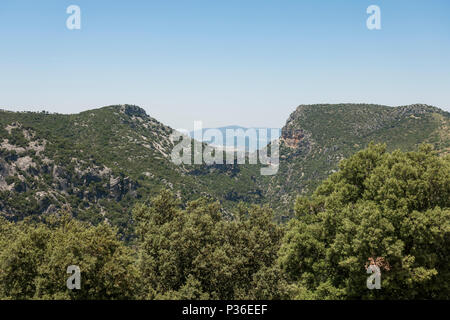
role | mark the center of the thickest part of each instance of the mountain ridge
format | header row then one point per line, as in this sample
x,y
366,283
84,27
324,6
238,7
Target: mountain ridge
x,y
98,163
316,137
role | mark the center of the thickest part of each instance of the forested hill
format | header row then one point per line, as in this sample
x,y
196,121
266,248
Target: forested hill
x,y
99,163
316,137
389,211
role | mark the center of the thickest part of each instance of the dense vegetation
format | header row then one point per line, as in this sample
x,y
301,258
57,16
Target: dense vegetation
x,y
316,137
393,208
99,163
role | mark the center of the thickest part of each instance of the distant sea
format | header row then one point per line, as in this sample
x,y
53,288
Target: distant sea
x,y
250,142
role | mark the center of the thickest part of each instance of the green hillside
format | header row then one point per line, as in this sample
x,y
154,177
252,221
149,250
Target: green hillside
x,y
316,137
99,163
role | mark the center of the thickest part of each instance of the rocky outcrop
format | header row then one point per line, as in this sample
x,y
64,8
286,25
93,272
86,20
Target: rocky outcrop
x,y
292,138
131,110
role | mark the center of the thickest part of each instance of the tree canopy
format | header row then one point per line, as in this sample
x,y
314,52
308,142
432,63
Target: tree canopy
x,y
34,258
195,253
391,206
391,210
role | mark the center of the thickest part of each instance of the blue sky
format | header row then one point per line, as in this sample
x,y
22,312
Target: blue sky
x,y
224,62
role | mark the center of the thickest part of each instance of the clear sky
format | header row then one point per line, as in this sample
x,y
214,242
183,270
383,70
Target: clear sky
x,y
224,62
